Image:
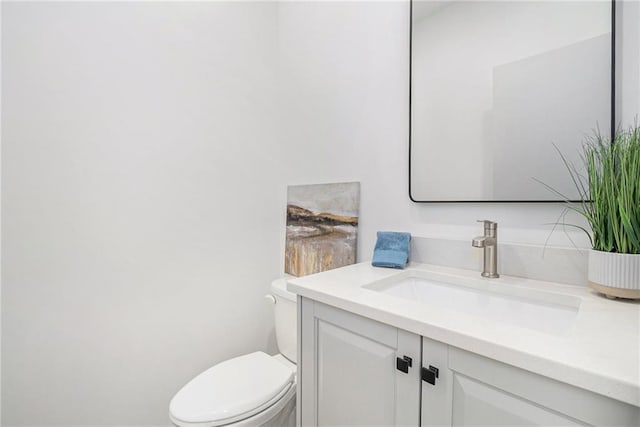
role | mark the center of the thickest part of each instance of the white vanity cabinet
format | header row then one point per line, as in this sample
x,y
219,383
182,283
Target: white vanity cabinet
x,y
351,372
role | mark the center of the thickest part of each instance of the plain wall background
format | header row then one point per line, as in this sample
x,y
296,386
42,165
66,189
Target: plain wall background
x,y
143,206
146,153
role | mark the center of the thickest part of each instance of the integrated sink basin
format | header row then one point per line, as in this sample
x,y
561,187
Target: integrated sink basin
x,y
508,303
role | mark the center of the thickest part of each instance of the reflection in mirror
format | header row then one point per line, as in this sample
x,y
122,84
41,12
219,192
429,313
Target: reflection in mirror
x,y
495,85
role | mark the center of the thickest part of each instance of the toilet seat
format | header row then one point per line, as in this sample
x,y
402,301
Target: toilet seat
x,y
232,391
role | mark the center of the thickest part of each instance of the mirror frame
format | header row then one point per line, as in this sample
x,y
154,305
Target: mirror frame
x,y
612,101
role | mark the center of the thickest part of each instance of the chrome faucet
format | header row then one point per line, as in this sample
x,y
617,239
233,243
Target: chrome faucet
x,y
489,242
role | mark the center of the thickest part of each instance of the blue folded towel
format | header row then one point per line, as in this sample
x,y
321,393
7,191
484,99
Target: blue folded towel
x,y
392,249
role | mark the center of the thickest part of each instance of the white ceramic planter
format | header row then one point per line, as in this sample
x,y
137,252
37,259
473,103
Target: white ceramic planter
x,y
615,275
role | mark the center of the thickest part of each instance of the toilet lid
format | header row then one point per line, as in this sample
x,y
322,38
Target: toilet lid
x,y
232,390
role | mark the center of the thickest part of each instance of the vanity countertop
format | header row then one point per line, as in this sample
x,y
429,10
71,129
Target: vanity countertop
x,y
600,353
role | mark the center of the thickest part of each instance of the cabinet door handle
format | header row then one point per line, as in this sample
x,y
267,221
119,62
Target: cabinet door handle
x,y
404,364
429,375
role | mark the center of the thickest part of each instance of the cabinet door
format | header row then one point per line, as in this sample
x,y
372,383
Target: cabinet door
x,y
436,398
348,372
489,393
478,404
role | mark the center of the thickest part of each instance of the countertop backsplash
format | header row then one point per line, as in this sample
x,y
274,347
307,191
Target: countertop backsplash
x,y
555,264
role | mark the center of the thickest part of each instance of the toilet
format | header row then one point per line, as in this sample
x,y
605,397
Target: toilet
x,y
254,389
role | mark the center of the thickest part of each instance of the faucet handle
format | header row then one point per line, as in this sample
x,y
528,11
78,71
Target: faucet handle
x,y
488,225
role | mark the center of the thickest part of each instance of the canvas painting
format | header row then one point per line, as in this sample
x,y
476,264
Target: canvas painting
x,y
322,227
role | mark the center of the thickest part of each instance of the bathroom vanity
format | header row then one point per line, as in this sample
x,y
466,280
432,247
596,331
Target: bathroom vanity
x,y
434,345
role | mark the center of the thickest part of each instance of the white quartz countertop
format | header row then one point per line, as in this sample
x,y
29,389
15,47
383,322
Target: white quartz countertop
x,y
600,353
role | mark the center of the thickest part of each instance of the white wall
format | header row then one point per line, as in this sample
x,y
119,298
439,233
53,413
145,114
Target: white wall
x,y
0,227
143,206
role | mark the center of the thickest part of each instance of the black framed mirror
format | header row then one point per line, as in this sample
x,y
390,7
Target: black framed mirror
x,y
499,89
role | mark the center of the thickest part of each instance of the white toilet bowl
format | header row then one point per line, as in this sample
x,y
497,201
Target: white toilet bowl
x,y
250,390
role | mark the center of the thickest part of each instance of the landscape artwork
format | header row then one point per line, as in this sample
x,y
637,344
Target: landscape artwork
x,y
322,227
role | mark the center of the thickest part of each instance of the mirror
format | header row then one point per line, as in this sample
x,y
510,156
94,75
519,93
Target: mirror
x,y
496,86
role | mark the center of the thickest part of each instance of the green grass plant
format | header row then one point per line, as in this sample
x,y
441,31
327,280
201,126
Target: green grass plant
x,y
610,191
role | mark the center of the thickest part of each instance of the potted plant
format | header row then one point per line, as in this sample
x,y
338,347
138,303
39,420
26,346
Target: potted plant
x,y
610,202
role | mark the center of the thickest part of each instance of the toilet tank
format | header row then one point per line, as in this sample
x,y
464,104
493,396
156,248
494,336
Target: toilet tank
x,y
285,313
